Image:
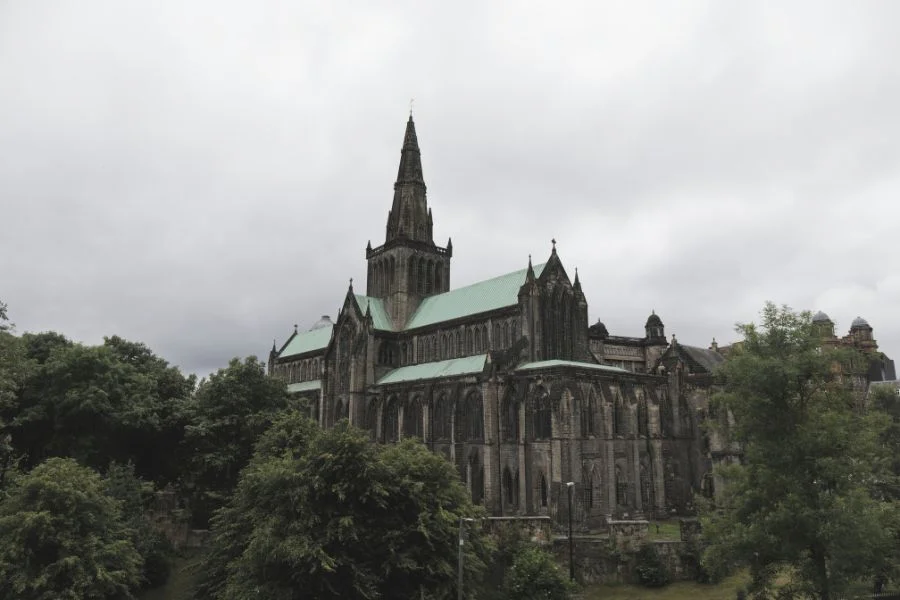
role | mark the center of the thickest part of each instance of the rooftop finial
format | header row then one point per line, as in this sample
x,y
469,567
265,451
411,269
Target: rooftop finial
x,y
295,328
411,100
553,241
351,283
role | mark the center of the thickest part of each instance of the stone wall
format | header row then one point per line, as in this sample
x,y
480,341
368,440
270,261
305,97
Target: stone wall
x,y
599,560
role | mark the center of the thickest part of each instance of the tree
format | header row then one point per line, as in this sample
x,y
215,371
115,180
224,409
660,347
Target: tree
x,y
801,501
135,496
99,404
327,514
534,575
226,416
62,536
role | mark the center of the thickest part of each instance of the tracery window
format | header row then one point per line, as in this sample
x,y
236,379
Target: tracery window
x,y
621,488
587,415
371,417
511,487
587,485
441,418
544,492
389,420
476,477
412,419
541,417
470,418
510,416
645,486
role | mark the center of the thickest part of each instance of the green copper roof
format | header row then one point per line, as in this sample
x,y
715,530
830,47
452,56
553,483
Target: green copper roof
x,y
480,297
380,317
435,370
307,341
547,364
304,386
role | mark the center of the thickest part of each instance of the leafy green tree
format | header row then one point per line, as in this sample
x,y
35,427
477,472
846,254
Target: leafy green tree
x,y
4,317
327,514
136,496
801,501
62,536
99,404
13,369
535,575
226,416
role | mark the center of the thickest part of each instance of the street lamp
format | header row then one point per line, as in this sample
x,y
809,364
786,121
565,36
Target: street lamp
x,y
462,541
571,487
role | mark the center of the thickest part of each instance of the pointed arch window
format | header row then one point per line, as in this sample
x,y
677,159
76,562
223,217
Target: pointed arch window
x,y
389,421
542,425
621,488
460,350
587,485
441,418
642,418
510,416
544,492
588,406
371,417
476,477
645,486
477,340
412,419
618,416
470,418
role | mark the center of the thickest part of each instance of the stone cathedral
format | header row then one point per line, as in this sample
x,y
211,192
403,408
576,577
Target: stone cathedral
x,y
508,380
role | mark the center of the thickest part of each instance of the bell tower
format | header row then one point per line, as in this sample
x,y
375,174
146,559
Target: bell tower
x,y
409,266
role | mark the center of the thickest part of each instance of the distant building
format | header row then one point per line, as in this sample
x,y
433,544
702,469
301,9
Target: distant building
x,y
506,378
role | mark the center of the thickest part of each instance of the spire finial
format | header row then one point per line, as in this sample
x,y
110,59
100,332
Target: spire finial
x,y
351,283
295,328
553,241
411,100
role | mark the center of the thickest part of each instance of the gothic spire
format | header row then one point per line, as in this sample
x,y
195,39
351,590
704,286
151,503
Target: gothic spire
x,y
409,216
410,170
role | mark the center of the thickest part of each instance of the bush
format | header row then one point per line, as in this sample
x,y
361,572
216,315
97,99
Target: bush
x,y
535,575
650,570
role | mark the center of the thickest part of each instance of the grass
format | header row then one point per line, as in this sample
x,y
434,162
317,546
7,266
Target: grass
x,y
668,531
184,574
682,590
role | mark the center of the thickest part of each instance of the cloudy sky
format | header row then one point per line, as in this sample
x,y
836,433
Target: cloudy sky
x,y
202,175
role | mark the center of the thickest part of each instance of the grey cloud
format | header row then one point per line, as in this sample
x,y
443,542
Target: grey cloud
x,y
201,177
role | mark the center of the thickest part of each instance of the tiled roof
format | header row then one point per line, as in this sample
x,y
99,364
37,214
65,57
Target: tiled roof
x,y
304,386
547,364
380,317
307,341
436,370
708,359
474,299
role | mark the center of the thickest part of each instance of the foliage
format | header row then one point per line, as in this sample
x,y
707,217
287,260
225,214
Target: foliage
x,y
4,317
98,404
327,514
801,499
649,568
534,575
62,536
12,374
135,496
226,416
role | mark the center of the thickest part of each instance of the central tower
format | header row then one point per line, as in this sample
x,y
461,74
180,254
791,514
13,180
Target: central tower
x,y
409,266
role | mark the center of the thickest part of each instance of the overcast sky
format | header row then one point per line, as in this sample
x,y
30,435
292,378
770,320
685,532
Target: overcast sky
x,y
200,176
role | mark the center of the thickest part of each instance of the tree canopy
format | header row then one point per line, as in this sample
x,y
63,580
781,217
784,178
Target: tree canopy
x,y
801,502
62,536
225,418
327,514
116,402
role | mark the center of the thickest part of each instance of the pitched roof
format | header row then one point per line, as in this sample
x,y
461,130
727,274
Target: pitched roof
x,y
436,370
380,318
474,299
708,359
304,386
307,341
547,364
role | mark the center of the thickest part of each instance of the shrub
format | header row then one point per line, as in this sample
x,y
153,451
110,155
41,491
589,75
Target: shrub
x,y
535,575
649,568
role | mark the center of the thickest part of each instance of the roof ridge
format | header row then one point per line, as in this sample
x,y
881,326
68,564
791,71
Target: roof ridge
x,y
474,283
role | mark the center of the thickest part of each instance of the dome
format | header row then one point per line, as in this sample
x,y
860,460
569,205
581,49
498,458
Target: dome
x,y
653,320
820,317
598,329
859,323
324,321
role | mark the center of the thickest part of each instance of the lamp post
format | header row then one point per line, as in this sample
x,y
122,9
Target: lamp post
x,y
571,487
462,541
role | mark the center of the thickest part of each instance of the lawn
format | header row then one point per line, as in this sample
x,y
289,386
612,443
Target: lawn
x,y
184,573
668,530
683,590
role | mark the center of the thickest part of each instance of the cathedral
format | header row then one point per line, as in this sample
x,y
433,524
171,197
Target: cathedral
x,y
508,380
